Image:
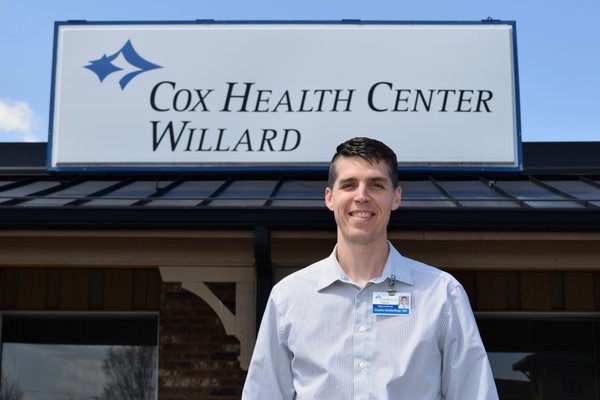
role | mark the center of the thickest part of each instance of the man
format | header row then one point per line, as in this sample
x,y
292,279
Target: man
x,y
404,302
335,330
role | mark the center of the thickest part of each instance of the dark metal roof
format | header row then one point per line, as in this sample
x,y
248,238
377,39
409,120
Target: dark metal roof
x,y
559,189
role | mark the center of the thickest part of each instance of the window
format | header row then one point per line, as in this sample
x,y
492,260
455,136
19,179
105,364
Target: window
x,y
543,357
77,357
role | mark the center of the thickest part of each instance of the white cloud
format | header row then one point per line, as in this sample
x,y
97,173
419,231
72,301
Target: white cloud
x,y
18,122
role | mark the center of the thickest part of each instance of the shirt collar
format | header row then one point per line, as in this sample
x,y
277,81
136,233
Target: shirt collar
x,y
396,265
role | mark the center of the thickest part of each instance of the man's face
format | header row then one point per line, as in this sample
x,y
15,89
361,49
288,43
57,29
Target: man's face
x,y
362,199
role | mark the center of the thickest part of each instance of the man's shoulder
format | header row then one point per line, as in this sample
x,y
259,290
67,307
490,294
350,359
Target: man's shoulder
x,y
428,274
306,278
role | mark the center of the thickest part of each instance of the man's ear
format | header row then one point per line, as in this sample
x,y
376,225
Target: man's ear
x,y
329,198
397,198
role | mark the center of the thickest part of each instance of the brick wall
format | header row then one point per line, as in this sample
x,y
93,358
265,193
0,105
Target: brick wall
x,y
197,360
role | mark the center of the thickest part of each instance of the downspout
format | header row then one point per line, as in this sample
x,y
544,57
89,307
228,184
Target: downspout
x,y
263,269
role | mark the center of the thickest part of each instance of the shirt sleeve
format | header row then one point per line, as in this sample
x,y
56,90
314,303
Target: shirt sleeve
x,y
270,373
466,372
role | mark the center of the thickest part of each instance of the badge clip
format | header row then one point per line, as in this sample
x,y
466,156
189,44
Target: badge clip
x,y
391,284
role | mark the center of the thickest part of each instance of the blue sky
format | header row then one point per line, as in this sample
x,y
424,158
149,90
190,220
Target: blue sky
x,y
558,49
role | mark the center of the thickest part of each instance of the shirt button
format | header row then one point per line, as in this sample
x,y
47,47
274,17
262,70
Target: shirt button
x,y
362,365
362,329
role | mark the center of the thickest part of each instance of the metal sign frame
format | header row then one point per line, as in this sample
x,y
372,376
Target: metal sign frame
x,y
103,69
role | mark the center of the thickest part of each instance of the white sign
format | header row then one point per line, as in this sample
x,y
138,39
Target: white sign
x,y
187,95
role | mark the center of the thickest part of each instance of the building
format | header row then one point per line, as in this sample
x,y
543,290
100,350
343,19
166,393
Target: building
x,y
176,268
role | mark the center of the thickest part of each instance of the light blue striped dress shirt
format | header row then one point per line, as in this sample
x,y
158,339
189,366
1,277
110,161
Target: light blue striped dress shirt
x,y
319,339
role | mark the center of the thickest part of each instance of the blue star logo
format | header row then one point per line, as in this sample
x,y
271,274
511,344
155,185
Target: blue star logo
x,y
104,66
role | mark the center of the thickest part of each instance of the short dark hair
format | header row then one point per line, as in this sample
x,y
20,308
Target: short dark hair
x,y
368,149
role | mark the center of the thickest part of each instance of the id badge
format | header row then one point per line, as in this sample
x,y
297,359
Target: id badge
x,y
386,303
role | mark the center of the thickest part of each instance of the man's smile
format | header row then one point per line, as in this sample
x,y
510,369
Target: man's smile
x,y
361,214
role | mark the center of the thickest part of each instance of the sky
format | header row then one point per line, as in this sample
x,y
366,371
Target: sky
x,y
558,49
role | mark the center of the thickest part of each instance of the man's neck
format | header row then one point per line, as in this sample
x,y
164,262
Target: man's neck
x,y
361,263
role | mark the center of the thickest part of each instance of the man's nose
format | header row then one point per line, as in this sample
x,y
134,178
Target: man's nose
x,y
362,193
